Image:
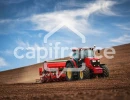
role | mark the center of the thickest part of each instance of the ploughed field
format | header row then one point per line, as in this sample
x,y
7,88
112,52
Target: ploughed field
x,y
20,83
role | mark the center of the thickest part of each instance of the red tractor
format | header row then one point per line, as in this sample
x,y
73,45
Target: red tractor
x,y
81,56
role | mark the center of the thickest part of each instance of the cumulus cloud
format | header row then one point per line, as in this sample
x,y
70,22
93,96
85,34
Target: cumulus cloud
x,y
122,39
78,18
3,62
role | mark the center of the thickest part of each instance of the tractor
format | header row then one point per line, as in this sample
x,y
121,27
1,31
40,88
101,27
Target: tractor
x,y
80,56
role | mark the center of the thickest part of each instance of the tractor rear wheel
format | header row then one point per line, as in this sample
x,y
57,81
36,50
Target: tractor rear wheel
x,y
85,74
105,71
69,72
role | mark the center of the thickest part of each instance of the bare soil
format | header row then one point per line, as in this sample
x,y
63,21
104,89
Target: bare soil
x,y
20,83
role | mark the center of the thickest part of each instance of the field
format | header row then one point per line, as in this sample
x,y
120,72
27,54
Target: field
x,y
20,83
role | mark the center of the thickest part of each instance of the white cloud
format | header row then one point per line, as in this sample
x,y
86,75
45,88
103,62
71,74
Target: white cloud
x,y
7,52
122,39
79,19
40,35
124,26
5,20
22,44
13,20
11,1
3,62
25,45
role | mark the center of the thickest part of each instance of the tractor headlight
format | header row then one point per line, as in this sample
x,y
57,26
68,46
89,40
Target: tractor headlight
x,y
98,60
93,60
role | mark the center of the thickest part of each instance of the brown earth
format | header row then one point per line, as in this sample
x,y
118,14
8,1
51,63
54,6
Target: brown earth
x,y
19,83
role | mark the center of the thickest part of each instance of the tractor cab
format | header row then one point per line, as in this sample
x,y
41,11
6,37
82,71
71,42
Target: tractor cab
x,y
82,53
87,56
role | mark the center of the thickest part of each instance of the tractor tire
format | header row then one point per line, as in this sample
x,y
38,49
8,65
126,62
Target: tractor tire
x,y
105,71
85,74
69,73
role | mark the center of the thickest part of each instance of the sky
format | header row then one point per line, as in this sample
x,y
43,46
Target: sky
x,y
25,23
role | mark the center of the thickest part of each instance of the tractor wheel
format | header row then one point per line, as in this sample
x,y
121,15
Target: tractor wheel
x,y
69,73
105,71
85,74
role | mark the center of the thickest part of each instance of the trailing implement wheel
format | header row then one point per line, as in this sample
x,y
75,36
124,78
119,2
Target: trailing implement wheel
x,y
69,73
105,71
85,74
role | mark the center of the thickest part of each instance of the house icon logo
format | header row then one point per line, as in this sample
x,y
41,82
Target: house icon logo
x,y
59,27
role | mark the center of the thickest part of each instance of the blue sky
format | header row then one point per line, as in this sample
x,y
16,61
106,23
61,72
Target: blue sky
x,y
104,23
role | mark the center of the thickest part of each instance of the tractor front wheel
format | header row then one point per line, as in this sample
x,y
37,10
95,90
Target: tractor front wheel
x,y
85,74
105,71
